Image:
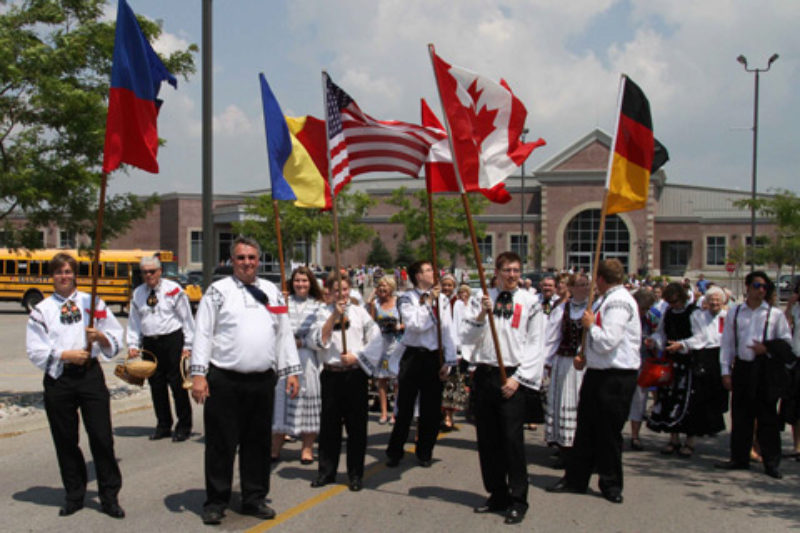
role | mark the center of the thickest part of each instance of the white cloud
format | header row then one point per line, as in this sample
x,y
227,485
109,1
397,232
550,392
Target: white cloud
x,y
233,122
167,43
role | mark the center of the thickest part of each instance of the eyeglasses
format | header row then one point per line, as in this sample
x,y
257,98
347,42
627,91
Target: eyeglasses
x,y
510,270
758,285
243,257
149,272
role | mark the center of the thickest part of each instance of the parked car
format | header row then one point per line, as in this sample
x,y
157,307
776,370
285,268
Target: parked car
x,y
786,284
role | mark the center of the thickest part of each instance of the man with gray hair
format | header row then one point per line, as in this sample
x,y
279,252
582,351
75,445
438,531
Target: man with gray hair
x,y
161,322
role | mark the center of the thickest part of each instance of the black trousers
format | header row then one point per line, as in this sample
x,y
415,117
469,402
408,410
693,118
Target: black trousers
x,y
751,404
501,441
603,407
344,401
168,349
238,414
418,375
82,389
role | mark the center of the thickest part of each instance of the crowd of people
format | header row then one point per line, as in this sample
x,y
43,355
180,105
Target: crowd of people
x,y
271,366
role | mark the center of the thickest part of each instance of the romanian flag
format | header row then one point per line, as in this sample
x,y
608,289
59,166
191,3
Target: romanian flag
x,y
298,159
634,157
136,76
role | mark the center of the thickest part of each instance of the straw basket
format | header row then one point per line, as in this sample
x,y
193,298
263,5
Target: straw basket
x,y
186,378
141,368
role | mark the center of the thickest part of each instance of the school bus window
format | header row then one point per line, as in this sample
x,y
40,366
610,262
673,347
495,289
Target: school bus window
x,y
10,267
122,270
83,268
109,270
22,267
45,268
35,268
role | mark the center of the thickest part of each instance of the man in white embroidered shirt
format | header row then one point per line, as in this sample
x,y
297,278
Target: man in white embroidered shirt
x,y
500,407
161,322
243,341
613,334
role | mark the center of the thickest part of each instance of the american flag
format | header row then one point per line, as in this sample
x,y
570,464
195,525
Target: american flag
x,y
359,144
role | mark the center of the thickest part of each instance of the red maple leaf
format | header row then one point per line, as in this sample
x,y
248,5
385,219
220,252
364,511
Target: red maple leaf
x,y
483,120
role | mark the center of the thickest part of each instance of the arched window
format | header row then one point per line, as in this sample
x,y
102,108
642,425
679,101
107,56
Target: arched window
x,y
581,236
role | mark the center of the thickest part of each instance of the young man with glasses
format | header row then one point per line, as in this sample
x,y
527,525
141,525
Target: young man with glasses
x,y
743,353
500,407
243,341
161,322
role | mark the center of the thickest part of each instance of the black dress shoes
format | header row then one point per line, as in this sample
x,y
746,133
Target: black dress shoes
x,y
113,510
563,486
321,481
490,507
393,463
160,433
262,511
514,516
732,465
180,435
70,508
771,471
425,463
212,517
356,484
614,496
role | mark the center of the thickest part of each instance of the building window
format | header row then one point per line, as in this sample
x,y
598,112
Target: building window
x,y
66,239
225,241
519,245
715,250
485,248
196,246
581,237
675,257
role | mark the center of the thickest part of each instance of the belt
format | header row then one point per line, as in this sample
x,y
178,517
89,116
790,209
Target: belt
x,y
72,369
165,335
491,368
337,368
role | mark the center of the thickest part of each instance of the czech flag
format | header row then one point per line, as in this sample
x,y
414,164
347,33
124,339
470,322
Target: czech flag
x,y
136,76
298,159
636,153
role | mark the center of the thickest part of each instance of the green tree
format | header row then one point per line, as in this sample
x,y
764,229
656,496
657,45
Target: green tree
x,y
450,223
782,208
303,225
55,66
379,254
405,252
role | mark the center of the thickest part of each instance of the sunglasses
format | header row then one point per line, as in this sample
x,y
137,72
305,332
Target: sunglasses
x,y
149,272
243,257
758,285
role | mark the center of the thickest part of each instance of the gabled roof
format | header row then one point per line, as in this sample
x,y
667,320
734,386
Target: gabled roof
x,y
589,153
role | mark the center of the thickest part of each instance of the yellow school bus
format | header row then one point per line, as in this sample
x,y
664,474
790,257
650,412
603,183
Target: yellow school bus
x,y
25,274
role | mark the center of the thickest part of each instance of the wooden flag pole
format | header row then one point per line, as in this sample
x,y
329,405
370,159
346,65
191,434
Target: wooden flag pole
x,y
334,201
434,264
98,238
501,367
276,211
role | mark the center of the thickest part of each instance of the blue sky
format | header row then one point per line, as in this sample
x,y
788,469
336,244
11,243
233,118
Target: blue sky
x,y
562,59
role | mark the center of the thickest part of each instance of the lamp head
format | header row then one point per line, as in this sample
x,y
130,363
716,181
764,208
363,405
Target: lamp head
x,y
743,60
772,59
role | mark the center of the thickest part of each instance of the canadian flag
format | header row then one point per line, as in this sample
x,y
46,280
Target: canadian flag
x,y
440,174
486,121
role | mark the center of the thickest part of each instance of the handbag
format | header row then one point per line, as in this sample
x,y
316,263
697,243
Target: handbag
x,y
656,372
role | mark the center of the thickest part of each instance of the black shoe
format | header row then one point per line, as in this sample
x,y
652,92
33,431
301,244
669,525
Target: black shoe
x,y
180,436
614,496
356,484
306,461
262,511
425,463
113,510
70,508
490,507
562,486
514,516
212,517
393,463
321,481
771,471
732,465
160,433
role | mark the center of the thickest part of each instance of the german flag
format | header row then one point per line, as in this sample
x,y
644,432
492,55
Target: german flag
x,y
634,157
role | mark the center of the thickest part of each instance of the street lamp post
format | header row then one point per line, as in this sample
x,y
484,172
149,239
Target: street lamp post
x,y
743,60
522,203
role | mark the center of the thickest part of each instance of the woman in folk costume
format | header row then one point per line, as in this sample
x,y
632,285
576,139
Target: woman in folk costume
x,y
649,317
672,401
300,415
382,307
454,394
564,335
